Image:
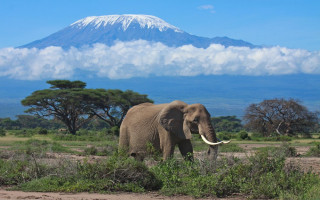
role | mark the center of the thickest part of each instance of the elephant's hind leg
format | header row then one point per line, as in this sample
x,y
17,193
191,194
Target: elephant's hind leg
x,y
124,139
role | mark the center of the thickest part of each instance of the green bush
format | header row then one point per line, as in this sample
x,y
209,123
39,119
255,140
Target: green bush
x,y
83,132
30,132
243,135
107,150
21,168
91,151
117,173
25,133
225,135
42,131
14,172
282,138
314,151
312,194
39,148
2,132
69,137
284,150
263,175
115,130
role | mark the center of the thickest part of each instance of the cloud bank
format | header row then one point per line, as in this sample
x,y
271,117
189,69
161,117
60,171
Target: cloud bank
x,y
141,59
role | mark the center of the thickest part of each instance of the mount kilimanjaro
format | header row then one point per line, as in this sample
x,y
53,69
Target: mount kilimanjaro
x,y
111,28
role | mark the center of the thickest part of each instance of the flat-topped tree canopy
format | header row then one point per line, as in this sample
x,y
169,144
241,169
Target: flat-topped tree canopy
x,y
66,84
74,105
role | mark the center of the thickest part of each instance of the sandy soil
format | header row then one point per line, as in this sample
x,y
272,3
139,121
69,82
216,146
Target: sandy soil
x,y
4,194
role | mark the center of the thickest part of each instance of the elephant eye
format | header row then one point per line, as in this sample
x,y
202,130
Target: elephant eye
x,y
196,119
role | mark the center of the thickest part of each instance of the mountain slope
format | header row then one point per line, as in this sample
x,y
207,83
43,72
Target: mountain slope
x,y
110,28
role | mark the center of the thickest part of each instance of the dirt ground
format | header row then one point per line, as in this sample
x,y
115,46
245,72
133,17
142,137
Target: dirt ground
x,y
306,163
4,195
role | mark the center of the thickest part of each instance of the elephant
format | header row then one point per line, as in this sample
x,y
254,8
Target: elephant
x,y
164,126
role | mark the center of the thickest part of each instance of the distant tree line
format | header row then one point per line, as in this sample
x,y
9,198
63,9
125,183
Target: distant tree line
x,y
28,121
68,104
31,122
227,123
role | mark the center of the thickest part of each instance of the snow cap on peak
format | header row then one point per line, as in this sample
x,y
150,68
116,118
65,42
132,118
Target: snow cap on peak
x,y
145,21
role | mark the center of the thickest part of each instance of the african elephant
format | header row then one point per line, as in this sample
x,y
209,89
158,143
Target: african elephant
x,y
164,126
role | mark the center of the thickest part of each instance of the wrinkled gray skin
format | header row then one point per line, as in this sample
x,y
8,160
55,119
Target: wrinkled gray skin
x,y
165,126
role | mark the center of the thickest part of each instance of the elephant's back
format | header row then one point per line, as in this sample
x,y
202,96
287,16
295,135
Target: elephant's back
x,y
145,109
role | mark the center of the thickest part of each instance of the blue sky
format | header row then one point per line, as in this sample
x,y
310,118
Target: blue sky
x,y
287,23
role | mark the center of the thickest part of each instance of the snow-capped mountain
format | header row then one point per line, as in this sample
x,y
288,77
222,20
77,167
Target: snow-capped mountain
x,y
110,28
145,21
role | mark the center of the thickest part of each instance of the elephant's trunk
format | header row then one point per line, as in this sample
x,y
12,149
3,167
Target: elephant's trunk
x,y
208,135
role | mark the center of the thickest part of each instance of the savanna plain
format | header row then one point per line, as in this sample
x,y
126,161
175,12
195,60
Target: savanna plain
x,y
38,164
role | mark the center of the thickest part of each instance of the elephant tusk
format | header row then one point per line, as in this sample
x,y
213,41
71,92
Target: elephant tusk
x,y
210,143
224,142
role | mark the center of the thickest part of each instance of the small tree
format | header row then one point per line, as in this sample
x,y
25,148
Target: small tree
x,y
2,132
65,101
284,117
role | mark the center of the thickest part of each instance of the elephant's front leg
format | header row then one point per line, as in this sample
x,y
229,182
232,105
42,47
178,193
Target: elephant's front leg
x,y
167,143
186,149
168,151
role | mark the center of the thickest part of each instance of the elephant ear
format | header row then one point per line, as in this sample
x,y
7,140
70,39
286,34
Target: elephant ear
x,y
172,120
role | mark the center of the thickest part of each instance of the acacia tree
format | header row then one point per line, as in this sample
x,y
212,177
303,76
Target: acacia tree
x,y
74,105
284,117
112,105
65,101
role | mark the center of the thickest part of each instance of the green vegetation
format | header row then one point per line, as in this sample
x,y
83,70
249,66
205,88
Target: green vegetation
x,y
39,148
226,123
2,132
230,148
284,150
263,175
243,135
314,151
280,138
118,173
259,177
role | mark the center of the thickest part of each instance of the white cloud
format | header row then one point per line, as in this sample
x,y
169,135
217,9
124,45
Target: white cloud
x,y
207,7
142,58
